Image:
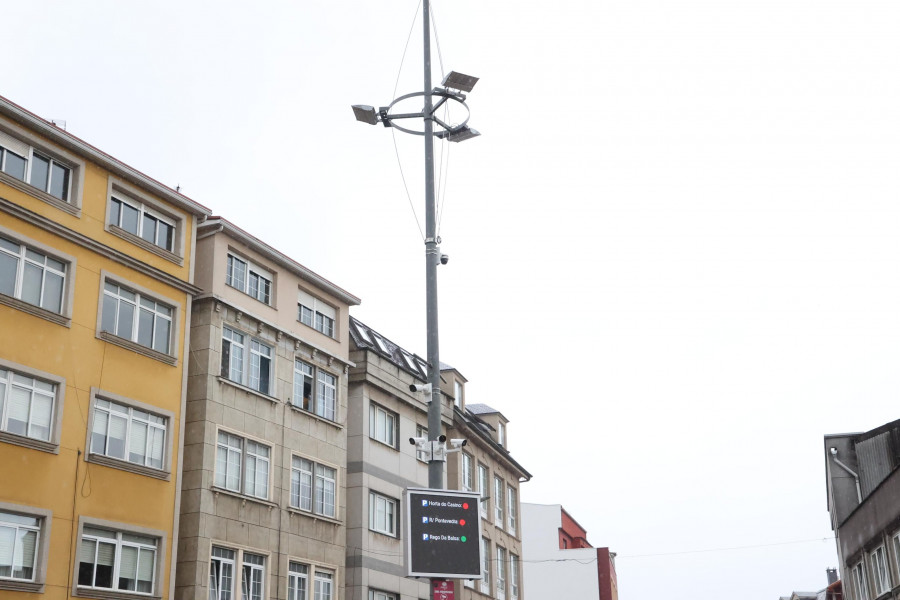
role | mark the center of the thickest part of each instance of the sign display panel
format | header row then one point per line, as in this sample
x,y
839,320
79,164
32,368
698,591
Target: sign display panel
x,y
444,534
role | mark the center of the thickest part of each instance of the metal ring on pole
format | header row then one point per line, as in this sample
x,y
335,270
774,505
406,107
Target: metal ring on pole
x,y
446,95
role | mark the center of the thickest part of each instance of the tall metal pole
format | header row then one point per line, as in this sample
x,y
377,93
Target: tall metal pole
x,y
435,467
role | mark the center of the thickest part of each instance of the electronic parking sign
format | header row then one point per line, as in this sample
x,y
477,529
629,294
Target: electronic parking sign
x,y
444,534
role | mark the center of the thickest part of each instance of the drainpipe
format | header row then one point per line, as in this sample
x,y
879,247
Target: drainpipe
x,y
849,470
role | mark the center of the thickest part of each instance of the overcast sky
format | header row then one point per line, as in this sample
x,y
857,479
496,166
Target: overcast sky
x,y
674,249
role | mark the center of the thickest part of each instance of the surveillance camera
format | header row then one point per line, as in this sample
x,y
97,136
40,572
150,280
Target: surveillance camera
x,y
834,451
458,443
417,440
419,387
442,438
445,259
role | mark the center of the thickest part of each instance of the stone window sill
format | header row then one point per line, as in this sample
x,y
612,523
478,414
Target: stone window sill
x,y
37,311
124,465
139,241
249,390
135,347
27,442
243,497
313,415
293,510
40,194
21,586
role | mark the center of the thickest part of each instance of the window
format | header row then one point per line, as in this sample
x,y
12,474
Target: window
x,y
484,489
249,278
468,475
324,585
253,368
498,501
313,487
382,425
382,514
316,314
253,576
897,550
116,560
423,455
457,393
20,538
26,164
326,390
882,580
512,509
136,317
234,453
26,405
485,566
298,581
128,433
858,582
501,572
501,434
142,221
379,595
513,576
221,574
31,276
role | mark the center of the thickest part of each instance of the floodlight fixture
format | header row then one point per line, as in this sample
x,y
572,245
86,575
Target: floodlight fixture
x,y
459,134
459,81
365,113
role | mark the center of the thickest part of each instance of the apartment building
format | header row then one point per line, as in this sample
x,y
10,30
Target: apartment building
x,y
96,284
264,507
384,414
862,473
485,465
562,563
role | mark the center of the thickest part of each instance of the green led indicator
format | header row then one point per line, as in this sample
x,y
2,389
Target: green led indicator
x,y
463,538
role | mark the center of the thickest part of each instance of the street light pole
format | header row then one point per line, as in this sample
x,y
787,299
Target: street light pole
x,y
435,467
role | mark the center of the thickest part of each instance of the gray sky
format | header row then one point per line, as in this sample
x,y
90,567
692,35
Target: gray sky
x,y
674,249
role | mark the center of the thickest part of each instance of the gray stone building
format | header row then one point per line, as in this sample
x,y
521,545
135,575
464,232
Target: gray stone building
x,y
263,511
863,486
384,414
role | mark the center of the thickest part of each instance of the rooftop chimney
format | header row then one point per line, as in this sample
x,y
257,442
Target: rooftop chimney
x,y
832,575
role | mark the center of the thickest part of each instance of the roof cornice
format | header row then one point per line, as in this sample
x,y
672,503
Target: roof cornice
x,y
79,146
216,224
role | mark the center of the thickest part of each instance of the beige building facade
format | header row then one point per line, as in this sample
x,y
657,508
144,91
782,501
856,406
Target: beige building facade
x,y
264,505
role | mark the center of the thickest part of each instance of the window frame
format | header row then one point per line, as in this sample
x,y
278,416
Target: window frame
x,y
860,588
239,563
18,136
171,356
145,204
498,495
314,479
466,471
895,538
394,518
120,528
165,471
317,319
67,296
883,578
52,444
484,490
422,454
42,551
501,573
485,585
514,566
244,455
319,404
255,269
512,509
381,595
248,352
374,432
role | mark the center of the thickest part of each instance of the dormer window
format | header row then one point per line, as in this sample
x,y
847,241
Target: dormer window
x,y
501,434
457,393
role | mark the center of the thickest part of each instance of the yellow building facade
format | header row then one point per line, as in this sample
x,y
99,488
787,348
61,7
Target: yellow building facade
x,y
96,272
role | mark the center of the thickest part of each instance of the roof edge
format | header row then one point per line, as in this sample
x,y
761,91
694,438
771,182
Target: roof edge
x,y
76,144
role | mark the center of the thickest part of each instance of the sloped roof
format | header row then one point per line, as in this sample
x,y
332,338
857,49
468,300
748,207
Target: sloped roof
x,y
367,338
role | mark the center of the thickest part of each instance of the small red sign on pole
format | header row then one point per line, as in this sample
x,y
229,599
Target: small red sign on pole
x,y
441,589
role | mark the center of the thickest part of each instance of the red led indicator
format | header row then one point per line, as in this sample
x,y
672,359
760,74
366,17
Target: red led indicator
x,y
465,506
462,521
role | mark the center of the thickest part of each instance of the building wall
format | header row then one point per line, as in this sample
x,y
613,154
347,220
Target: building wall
x,y
64,482
550,572
273,526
